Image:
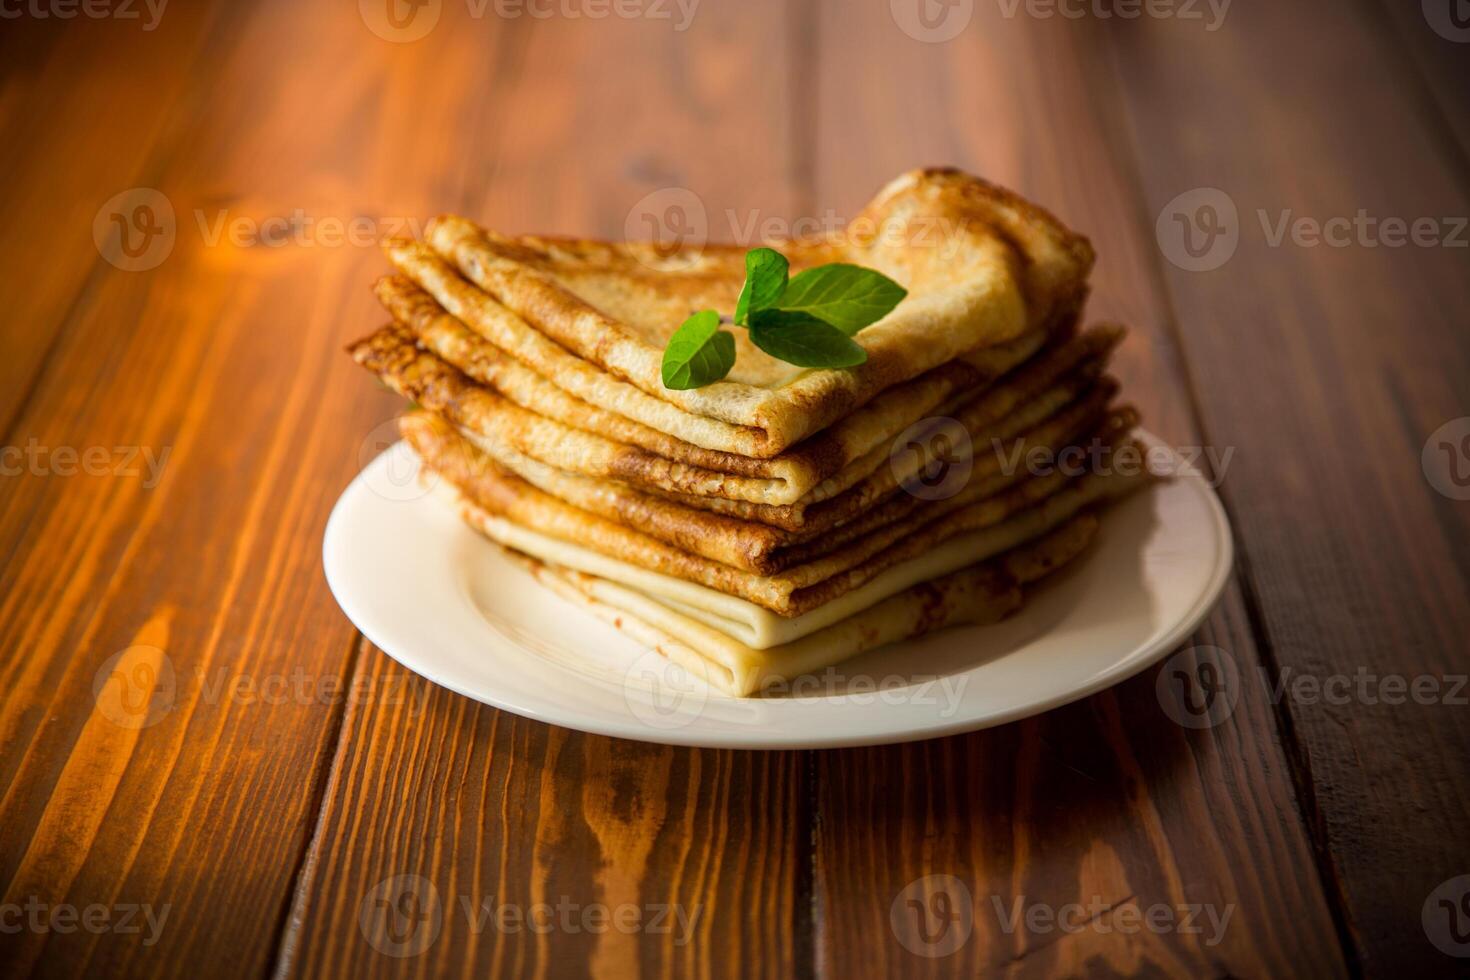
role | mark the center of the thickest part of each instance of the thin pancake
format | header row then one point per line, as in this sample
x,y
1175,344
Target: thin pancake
x,y
743,544
903,511
394,357
793,472
1058,410
978,595
516,514
982,266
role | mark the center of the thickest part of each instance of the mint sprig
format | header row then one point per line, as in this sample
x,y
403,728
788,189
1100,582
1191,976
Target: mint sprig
x,y
801,339
847,296
699,353
807,320
765,278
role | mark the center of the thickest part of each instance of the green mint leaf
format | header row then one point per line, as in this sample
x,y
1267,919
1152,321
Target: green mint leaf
x,y
765,277
699,353
801,339
849,297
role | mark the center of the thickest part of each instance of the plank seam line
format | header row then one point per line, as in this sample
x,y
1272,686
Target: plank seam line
x,y
165,149
1431,110
1301,771
511,44
804,955
803,52
74,310
803,73
1297,756
511,47
303,876
1446,513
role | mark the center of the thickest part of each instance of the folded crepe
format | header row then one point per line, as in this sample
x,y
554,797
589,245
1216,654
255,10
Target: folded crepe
x,y
982,267
761,610
465,459
759,527
393,355
980,594
780,479
868,481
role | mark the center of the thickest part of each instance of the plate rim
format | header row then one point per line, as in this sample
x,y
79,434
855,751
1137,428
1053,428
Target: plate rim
x,y
1134,662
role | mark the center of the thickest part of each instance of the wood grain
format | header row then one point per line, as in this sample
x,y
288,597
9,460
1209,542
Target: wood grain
x,y
1357,564
1430,72
112,77
517,815
1059,810
288,793
226,358
548,852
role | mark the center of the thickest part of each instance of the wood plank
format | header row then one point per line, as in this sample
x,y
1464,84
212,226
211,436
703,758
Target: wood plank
x,y
1430,72
1108,803
1330,367
111,77
476,806
531,850
228,358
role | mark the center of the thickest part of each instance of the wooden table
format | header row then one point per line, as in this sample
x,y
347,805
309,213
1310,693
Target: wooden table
x,y
179,418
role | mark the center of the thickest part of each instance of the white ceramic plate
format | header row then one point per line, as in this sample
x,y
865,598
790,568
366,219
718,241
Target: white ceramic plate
x,y
447,604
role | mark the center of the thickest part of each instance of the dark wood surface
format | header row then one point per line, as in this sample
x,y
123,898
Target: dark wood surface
x,y
266,824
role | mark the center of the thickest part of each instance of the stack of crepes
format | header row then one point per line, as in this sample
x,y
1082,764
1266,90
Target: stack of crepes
x,y
782,520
